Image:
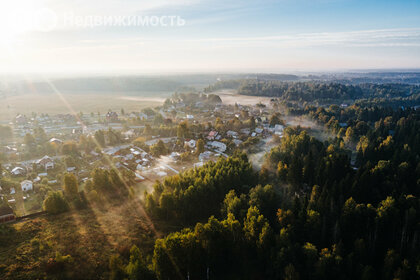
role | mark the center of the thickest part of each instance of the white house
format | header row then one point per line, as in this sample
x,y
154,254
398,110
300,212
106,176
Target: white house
x,y
237,142
232,134
26,185
71,169
245,131
190,143
278,128
205,156
17,171
221,147
259,130
21,119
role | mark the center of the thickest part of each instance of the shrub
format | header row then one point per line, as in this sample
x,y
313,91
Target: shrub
x,y
55,203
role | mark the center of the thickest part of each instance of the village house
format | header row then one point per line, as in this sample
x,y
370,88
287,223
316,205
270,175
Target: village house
x,y
245,131
278,129
204,156
237,142
26,185
20,119
212,135
232,134
259,130
45,162
174,156
111,117
190,143
71,169
18,171
219,146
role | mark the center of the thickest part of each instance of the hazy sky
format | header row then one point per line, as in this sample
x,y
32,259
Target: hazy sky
x,y
218,35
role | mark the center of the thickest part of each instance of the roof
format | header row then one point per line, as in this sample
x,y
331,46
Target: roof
x,y
55,140
213,133
17,168
5,210
44,160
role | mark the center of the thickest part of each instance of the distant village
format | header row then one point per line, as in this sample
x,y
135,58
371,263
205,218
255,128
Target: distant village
x,y
186,132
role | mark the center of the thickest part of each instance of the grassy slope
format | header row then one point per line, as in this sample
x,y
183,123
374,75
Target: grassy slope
x,y
90,236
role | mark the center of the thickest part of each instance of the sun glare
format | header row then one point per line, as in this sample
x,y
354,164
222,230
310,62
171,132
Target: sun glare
x,y
16,18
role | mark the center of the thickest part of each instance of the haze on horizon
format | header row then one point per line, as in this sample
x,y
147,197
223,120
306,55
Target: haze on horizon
x,y
218,36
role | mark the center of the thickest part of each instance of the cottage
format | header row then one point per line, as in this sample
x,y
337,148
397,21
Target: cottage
x,y
129,157
18,171
46,162
20,119
278,128
259,130
71,169
205,156
219,146
212,135
237,142
6,214
26,185
232,134
111,117
245,131
190,143
143,116
174,156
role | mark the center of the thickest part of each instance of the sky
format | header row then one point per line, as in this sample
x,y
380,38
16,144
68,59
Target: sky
x,y
172,36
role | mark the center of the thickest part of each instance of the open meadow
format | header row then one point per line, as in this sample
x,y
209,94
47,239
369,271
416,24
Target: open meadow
x,y
88,102
76,244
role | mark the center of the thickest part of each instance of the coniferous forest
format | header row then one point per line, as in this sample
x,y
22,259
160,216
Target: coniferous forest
x,y
336,199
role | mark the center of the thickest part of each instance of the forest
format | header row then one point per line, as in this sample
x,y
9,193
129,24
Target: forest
x,y
342,207
316,217
310,213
